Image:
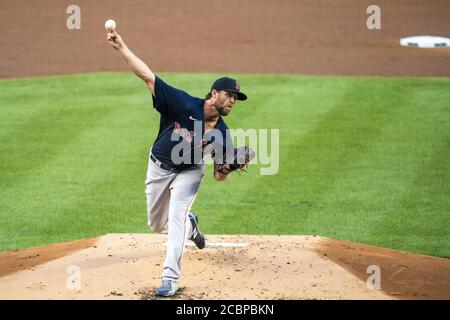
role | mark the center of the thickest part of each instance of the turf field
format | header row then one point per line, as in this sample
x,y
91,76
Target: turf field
x,y
361,159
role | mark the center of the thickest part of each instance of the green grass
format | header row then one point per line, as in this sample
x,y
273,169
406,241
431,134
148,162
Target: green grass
x,y
361,159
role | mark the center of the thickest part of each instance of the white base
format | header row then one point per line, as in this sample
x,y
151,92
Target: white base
x,y
425,42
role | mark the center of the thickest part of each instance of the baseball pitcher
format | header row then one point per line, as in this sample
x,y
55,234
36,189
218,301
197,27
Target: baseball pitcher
x,y
190,128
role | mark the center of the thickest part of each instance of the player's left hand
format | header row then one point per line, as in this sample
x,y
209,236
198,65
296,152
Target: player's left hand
x,y
243,156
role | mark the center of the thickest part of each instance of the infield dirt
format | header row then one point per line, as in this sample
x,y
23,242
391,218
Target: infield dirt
x,y
288,36
128,266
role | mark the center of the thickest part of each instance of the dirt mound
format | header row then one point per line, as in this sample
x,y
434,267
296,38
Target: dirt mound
x,y
288,36
403,275
26,259
128,266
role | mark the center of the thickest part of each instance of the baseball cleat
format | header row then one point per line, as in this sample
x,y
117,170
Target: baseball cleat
x,y
168,288
196,236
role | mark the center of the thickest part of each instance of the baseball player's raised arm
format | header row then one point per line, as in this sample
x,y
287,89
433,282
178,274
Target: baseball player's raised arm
x,y
139,67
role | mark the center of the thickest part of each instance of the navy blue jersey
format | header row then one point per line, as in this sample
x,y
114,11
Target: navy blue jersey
x,y
181,142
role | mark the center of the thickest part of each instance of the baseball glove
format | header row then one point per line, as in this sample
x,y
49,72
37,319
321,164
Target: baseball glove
x,y
242,156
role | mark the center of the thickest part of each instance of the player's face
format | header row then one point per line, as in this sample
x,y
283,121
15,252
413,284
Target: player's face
x,y
225,102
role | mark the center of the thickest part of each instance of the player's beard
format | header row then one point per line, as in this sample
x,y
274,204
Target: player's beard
x,y
223,110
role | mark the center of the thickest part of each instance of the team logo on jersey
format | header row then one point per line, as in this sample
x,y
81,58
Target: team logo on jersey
x,y
183,132
206,146
238,86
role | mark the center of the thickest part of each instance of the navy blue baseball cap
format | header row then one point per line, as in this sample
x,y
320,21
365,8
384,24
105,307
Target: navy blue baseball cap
x,y
229,85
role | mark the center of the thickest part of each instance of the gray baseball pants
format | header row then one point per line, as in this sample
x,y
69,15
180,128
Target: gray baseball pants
x,y
170,196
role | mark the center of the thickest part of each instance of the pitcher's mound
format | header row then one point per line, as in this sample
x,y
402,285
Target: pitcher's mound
x,y
128,266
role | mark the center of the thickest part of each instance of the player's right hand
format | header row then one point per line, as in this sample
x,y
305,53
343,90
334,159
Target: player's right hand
x,y
115,40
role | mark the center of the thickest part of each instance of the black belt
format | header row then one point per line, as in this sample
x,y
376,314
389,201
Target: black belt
x,y
161,165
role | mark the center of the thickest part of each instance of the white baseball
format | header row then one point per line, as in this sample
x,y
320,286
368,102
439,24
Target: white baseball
x,y
110,25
